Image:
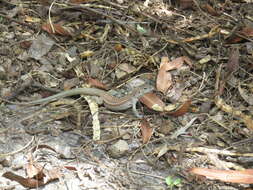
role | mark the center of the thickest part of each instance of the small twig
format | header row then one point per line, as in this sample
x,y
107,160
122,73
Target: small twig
x,y
17,151
49,17
182,130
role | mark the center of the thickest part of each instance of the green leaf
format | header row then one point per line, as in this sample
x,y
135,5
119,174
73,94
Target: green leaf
x,y
141,30
177,181
169,180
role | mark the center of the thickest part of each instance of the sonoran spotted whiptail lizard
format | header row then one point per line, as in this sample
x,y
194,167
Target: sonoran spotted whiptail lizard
x,y
111,102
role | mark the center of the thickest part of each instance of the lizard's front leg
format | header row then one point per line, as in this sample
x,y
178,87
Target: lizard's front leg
x,y
135,111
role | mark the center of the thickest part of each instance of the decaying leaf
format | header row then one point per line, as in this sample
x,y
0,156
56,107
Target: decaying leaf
x,y
40,47
233,61
146,131
181,110
186,4
247,31
152,101
233,176
33,169
37,174
96,83
57,29
127,68
26,182
164,78
208,8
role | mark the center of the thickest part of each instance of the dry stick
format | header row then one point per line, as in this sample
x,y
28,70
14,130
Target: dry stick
x,y
49,17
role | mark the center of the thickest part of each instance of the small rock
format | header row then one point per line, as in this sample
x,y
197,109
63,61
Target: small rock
x,y
7,162
118,149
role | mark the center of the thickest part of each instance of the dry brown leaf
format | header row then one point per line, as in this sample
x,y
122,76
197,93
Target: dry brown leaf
x,y
72,168
246,31
208,8
26,182
25,44
58,29
96,83
164,78
34,170
186,4
233,61
181,110
233,176
52,175
146,131
127,68
152,101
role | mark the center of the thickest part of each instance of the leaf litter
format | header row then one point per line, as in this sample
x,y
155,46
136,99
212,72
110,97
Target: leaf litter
x,y
192,53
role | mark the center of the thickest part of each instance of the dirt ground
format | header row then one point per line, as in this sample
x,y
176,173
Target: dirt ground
x,y
195,59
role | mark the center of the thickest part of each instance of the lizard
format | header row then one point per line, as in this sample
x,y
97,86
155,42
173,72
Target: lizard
x,y
111,102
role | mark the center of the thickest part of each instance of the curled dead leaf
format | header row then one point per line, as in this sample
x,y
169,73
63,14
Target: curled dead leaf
x,y
207,7
245,176
146,131
233,61
246,31
58,29
152,101
164,78
26,182
181,110
186,4
96,83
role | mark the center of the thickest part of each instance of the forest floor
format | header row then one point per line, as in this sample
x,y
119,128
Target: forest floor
x,y
191,62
